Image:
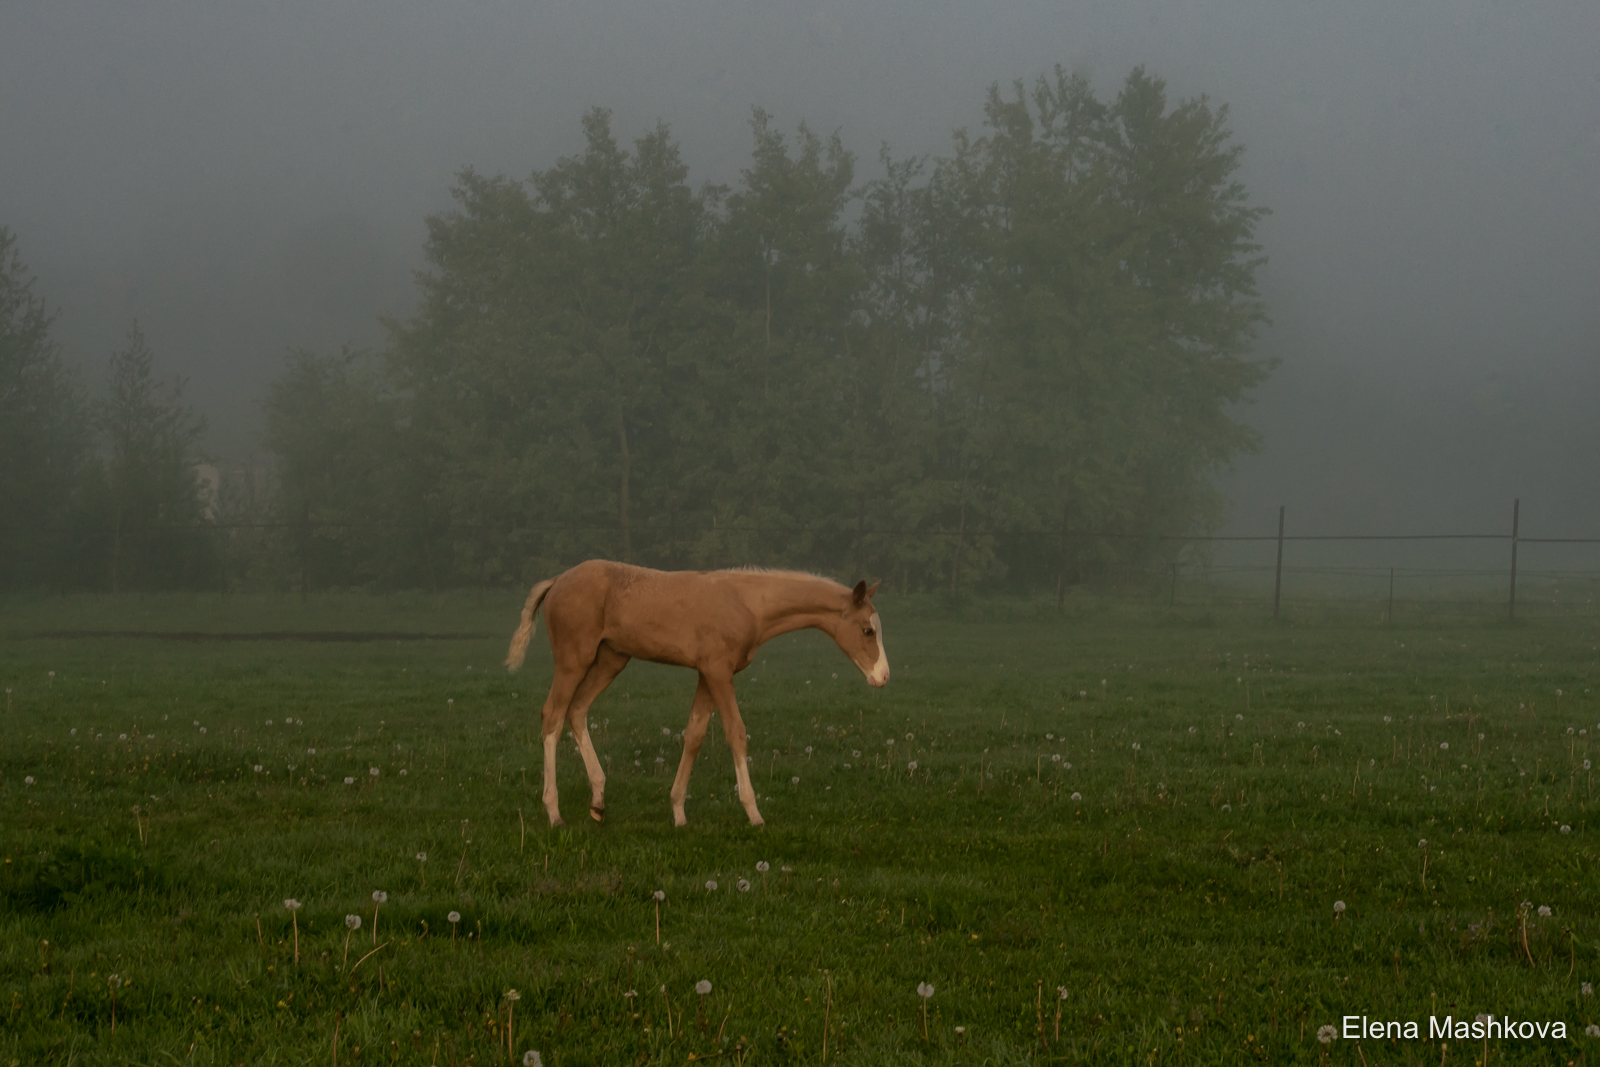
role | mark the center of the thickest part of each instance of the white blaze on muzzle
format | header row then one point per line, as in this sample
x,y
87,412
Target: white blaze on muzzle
x,y
879,674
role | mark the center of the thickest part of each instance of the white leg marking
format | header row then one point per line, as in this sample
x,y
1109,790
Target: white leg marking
x,y
552,804
597,777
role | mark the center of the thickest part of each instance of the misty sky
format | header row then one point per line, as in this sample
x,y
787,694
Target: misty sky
x,y
243,178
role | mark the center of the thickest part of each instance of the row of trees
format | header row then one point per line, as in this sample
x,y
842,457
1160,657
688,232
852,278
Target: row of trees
x,y
96,495
955,372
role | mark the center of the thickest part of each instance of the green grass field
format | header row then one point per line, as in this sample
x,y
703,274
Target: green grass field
x,y
1115,836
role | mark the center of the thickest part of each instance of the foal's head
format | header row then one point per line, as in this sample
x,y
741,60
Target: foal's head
x,y
860,635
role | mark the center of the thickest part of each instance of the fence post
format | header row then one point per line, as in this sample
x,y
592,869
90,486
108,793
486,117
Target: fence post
x,y
1277,581
1516,509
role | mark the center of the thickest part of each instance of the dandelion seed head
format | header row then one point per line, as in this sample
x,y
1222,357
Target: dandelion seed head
x,y
1326,1033
1338,906
422,857
1544,911
349,781
743,885
531,1058
911,766
702,987
763,866
795,780
292,904
711,884
454,917
353,921
924,990
1077,796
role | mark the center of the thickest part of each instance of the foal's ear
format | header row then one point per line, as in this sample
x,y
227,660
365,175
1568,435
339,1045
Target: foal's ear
x,y
860,593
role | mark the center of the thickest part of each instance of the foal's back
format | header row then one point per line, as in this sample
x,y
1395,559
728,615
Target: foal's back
x,y
674,617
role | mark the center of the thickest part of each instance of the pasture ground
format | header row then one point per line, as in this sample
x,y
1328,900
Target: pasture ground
x,y
1163,892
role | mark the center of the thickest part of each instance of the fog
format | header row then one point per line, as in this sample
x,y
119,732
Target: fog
x,y
245,179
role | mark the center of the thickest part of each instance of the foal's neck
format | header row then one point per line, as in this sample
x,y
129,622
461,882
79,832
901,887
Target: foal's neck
x,y
802,603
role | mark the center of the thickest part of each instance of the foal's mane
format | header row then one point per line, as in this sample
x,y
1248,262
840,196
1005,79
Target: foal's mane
x,y
777,572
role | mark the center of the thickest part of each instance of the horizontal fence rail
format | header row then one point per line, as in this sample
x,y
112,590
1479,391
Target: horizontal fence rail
x,y
1211,570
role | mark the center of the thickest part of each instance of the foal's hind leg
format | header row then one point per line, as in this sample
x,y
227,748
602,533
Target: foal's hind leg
x,y
694,736
606,666
568,675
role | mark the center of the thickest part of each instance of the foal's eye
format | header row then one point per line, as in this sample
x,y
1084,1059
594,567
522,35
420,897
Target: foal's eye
x,y
869,631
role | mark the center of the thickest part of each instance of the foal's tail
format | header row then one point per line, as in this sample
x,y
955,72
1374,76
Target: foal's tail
x,y
520,639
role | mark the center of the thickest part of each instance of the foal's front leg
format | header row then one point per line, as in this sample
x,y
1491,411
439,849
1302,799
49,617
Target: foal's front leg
x,y
694,736
733,727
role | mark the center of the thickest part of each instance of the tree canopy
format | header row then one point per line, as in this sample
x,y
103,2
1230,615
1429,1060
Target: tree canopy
x,y
1016,361
1011,363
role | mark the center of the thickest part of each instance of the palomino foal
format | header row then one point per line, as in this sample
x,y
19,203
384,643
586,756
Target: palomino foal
x,y
601,614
